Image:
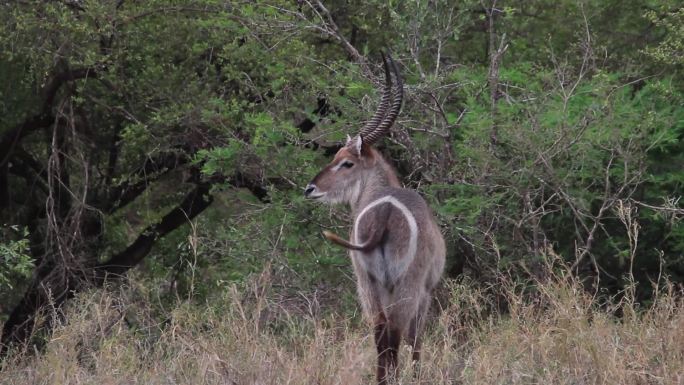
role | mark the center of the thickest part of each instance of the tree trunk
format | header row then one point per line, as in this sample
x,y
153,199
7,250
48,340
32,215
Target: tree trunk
x,y
45,292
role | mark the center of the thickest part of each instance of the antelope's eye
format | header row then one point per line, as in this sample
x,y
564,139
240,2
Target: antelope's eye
x,y
347,164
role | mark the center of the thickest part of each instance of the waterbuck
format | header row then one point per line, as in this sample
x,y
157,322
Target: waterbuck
x,y
396,247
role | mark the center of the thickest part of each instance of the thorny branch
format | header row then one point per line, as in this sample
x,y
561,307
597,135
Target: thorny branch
x,y
496,53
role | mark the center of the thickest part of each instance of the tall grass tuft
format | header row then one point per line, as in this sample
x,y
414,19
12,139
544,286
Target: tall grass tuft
x,y
551,332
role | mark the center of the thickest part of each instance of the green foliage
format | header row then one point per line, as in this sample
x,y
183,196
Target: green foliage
x,y
587,115
219,159
15,261
671,49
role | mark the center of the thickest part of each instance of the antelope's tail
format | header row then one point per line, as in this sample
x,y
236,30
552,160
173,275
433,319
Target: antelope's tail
x,y
334,238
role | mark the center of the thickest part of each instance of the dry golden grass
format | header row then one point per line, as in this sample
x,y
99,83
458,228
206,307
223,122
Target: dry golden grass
x,y
559,335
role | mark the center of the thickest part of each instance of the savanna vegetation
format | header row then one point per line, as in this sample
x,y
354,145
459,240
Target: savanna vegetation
x,y
153,156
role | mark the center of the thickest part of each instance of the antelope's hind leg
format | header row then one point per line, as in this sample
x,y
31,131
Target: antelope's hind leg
x,y
387,340
413,336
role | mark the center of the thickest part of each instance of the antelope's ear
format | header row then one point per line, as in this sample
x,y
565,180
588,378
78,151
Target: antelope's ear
x,y
355,144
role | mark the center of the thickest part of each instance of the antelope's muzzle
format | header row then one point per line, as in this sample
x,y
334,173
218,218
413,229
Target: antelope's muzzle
x,y
311,192
309,189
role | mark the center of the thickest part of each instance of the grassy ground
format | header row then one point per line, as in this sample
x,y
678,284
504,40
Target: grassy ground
x,y
558,335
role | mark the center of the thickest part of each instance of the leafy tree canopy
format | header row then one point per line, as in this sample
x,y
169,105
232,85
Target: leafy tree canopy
x,y
180,133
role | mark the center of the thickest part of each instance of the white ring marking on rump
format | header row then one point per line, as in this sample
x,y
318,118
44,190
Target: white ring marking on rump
x,y
410,219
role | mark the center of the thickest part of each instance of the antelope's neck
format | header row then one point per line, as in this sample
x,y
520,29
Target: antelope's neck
x,y
382,177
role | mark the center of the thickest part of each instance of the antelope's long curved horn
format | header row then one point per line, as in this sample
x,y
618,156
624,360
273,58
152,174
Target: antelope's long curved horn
x,y
383,128
380,113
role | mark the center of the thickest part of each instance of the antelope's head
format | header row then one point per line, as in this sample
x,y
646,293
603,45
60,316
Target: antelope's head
x,y
357,163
